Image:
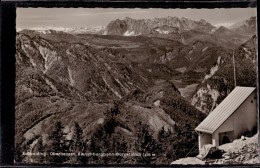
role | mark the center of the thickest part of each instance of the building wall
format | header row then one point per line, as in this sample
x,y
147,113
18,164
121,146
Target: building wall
x,y
242,120
204,139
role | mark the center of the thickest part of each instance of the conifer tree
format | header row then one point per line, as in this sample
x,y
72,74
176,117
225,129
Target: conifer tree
x,y
58,144
40,147
118,144
165,139
99,143
145,144
77,144
20,147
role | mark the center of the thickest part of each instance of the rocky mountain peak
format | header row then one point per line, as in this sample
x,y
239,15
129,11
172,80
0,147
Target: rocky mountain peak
x,y
203,21
184,18
130,26
222,29
253,18
129,19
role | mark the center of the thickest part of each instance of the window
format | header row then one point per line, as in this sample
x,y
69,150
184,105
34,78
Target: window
x,y
226,137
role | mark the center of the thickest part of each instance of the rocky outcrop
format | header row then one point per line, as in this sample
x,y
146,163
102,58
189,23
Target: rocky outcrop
x,y
240,151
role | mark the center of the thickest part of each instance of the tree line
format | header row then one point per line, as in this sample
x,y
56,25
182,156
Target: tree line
x,y
162,147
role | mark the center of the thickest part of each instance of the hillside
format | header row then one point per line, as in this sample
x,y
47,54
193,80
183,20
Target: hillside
x,y
219,81
197,56
66,63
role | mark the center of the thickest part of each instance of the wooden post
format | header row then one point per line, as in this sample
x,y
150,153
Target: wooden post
x,y
234,66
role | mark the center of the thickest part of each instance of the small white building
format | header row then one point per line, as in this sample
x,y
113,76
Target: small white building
x,y
235,115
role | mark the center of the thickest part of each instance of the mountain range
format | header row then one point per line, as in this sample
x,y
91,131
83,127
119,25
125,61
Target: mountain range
x,y
174,25
181,29
77,30
129,26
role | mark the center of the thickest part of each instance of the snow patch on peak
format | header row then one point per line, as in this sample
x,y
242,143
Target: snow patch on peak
x,y
128,33
162,31
105,32
227,25
47,28
213,30
44,31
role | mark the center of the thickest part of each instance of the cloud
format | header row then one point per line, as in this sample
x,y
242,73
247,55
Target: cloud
x,y
38,21
18,29
227,25
109,13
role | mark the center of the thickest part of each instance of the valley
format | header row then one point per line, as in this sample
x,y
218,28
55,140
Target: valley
x,y
134,86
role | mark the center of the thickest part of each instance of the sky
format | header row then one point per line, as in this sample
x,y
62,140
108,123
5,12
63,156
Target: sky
x,y
91,17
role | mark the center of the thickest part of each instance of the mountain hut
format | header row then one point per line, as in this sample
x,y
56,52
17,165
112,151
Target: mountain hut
x,y
235,115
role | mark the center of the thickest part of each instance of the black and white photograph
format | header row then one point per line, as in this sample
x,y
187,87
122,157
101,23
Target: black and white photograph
x,y
148,86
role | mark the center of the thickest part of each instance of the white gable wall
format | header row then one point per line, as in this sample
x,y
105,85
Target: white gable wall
x,y
242,120
204,139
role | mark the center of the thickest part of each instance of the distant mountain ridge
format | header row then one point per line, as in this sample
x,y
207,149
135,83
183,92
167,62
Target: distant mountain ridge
x,y
168,25
184,30
144,26
245,27
77,30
